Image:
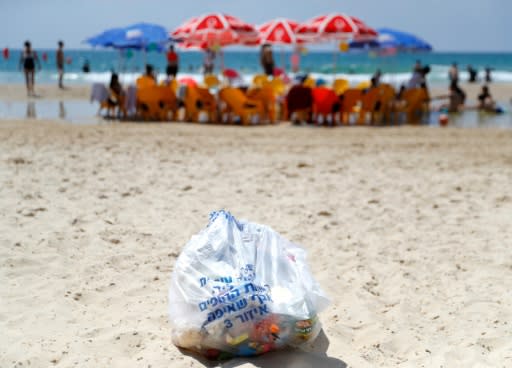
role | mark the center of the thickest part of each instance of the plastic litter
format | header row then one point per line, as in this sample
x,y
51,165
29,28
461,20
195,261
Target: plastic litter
x,y
240,289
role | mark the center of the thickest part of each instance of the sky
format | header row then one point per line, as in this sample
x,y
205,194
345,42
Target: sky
x,y
449,25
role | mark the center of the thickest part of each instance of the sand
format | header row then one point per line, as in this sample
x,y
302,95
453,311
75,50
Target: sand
x,y
408,230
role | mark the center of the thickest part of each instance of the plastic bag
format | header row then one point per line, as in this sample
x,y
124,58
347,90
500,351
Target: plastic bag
x,y
240,289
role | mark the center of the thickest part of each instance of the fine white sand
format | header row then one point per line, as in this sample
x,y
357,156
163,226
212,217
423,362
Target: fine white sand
x,y
408,230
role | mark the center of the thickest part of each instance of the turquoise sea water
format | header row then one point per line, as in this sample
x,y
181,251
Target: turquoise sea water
x,y
354,66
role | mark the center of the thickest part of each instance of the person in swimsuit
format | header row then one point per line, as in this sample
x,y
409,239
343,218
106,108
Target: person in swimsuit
x,y
172,63
59,57
28,61
267,60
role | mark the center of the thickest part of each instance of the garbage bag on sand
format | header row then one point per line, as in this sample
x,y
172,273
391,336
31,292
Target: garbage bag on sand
x,y
240,289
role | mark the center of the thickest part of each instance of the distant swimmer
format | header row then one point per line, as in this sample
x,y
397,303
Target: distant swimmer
x,y
28,61
86,68
472,74
488,71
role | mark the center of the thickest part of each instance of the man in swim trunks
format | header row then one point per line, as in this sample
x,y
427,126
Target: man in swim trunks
x,y
28,61
59,57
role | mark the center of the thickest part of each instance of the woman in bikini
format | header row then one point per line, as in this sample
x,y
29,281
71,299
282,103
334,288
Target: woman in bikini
x,y
28,61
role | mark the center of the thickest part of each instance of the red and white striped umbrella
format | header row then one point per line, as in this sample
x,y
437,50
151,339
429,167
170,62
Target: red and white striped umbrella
x,y
279,32
215,29
335,26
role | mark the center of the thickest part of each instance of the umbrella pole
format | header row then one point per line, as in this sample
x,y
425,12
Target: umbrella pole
x,y
334,62
283,59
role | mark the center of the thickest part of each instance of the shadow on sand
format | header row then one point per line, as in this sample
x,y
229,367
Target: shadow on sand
x,y
314,355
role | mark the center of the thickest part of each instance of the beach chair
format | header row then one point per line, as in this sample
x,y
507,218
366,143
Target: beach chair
x,y
237,104
415,106
114,104
259,80
326,104
386,99
211,81
267,97
363,85
145,81
156,103
197,100
370,102
340,86
309,82
299,104
350,102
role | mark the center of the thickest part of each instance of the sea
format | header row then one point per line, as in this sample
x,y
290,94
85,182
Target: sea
x,y
354,66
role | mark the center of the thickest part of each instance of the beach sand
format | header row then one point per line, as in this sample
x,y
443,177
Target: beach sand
x,y
407,229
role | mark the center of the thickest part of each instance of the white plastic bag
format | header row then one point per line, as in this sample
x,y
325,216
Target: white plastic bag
x,y
240,289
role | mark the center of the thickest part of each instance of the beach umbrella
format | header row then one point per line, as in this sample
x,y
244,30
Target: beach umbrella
x,y
136,36
215,30
390,39
278,31
335,27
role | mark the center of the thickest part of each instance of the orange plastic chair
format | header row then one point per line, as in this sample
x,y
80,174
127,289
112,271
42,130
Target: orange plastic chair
x,y
387,97
369,102
325,103
416,104
145,81
350,101
156,102
268,99
197,100
237,103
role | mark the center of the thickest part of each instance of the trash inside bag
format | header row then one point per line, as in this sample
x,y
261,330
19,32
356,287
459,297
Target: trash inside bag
x,y
241,289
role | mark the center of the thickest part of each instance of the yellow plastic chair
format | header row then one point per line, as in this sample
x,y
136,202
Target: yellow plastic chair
x,y
364,85
211,81
309,82
238,104
340,86
278,86
259,80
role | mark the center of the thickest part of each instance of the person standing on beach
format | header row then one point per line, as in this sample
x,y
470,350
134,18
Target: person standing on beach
x,y
267,59
453,74
28,61
59,57
172,63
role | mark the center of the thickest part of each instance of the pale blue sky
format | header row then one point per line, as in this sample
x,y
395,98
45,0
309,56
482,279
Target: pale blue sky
x,y
450,25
